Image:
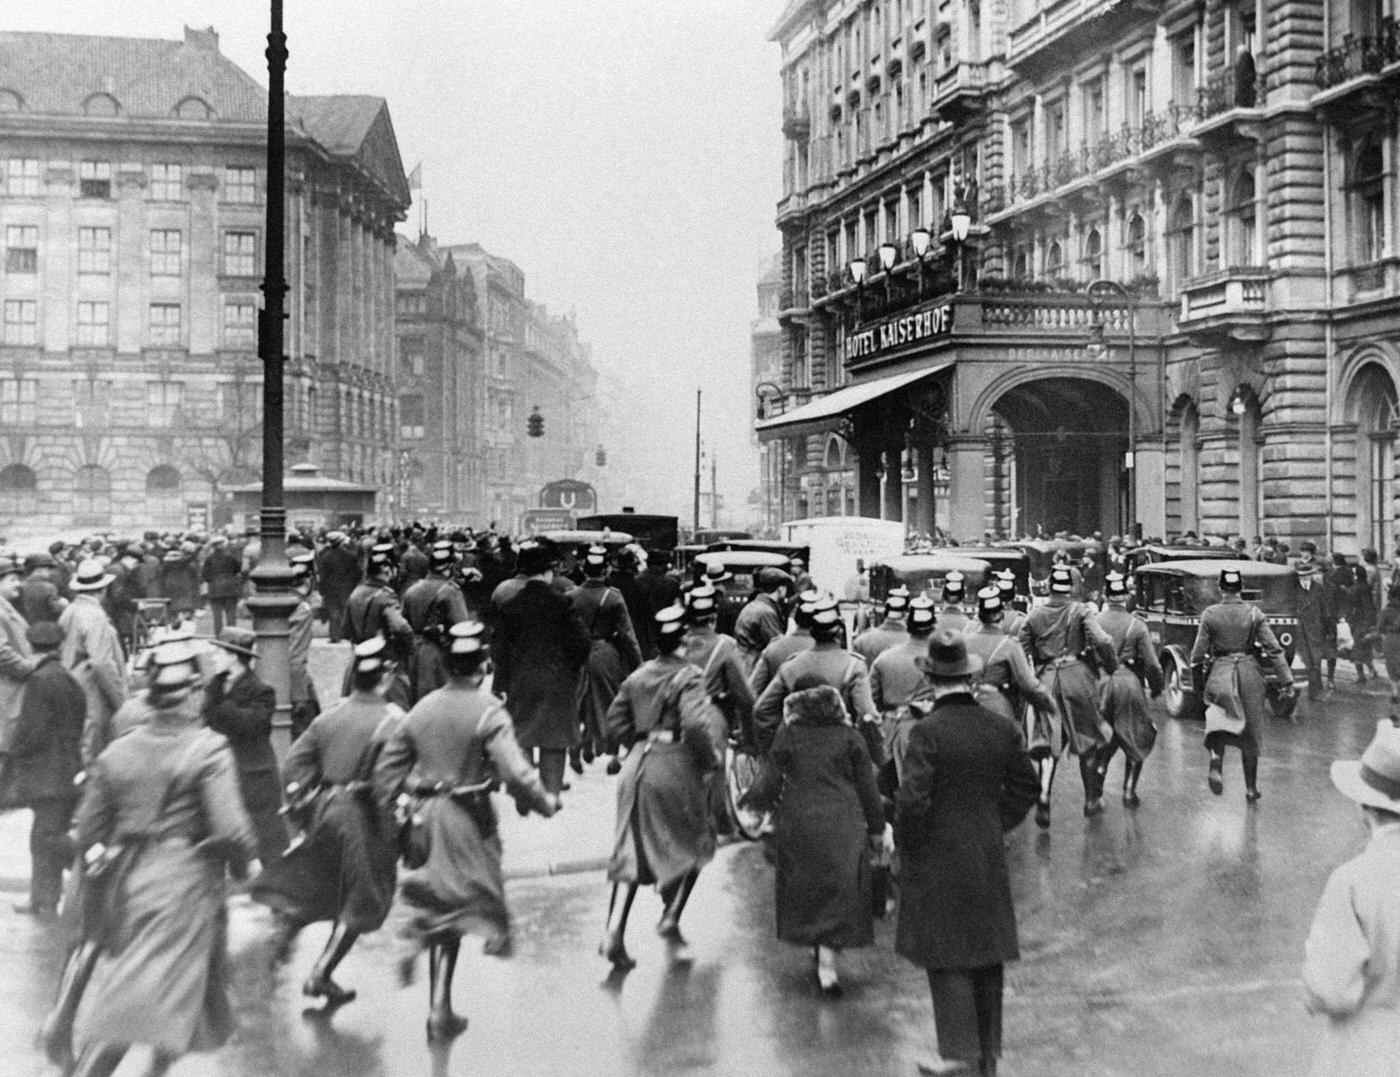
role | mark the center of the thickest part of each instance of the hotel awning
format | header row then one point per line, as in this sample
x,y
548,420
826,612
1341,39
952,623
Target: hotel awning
x,y
819,415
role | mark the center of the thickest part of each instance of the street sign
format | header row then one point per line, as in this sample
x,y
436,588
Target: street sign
x,y
533,521
571,495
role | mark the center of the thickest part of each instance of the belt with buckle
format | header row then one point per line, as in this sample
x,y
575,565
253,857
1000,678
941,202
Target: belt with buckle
x,y
663,736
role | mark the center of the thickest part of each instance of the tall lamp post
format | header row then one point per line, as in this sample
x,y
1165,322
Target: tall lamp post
x,y
274,601
1097,292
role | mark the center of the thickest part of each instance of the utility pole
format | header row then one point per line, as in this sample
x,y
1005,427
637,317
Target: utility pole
x,y
714,500
695,515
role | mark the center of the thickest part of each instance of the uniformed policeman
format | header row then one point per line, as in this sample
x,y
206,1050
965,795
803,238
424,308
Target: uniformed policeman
x,y
1008,682
431,606
1013,606
1123,699
795,641
373,610
1233,639
1061,638
890,632
953,615
896,677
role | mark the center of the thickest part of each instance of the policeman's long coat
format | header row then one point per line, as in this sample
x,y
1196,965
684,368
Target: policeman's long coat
x,y
539,649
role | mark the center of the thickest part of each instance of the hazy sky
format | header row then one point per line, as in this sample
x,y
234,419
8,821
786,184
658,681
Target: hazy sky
x,y
625,153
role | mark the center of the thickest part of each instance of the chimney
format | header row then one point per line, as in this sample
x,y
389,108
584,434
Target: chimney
x,y
207,39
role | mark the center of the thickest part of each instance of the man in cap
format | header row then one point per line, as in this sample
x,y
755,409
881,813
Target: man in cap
x,y
795,641
539,648
727,606
431,606
897,676
337,574
614,654
16,662
1008,682
1317,625
967,778
1013,606
1232,636
762,620
1057,637
374,610
953,614
1349,969
801,580
121,596
1122,698
891,632
240,706
39,599
40,755
300,632
92,652
222,576
661,590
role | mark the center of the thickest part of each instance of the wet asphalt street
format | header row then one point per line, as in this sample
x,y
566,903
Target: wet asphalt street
x,y
1164,940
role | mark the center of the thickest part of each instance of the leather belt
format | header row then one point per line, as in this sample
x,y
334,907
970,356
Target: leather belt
x,y
663,736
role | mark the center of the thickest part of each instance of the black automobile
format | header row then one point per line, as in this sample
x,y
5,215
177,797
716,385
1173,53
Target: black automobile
x,y
924,573
1172,595
1155,554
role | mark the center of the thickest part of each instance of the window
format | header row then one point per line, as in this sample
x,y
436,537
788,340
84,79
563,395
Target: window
x,y
95,179
21,248
413,363
240,323
1054,261
18,486
22,177
94,250
240,404
93,324
1137,245
21,321
167,183
1368,203
1021,145
239,254
240,185
165,323
163,483
1020,264
411,420
165,252
1093,255
1094,110
1055,133
1184,238
1135,104
17,399
92,495
1244,233
1184,68
163,403
91,401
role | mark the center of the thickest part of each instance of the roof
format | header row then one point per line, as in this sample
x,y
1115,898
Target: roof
x,y
1211,569
412,265
357,128
57,74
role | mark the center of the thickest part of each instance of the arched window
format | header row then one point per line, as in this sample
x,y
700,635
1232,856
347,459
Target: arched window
x,y
194,108
163,481
1184,238
18,487
1137,245
10,101
101,104
1093,255
1243,219
1371,405
92,495
1020,264
1368,203
1054,261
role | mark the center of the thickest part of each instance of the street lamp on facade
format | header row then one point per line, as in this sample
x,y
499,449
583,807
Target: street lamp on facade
x,y
889,255
919,241
1098,292
959,224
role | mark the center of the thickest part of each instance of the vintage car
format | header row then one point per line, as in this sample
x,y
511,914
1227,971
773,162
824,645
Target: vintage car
x,y
999,557
1156,554
1171,595
923,573
742,564
1040,554
787,549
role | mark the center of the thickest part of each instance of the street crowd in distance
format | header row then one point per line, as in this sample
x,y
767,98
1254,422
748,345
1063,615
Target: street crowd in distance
x,y
878,749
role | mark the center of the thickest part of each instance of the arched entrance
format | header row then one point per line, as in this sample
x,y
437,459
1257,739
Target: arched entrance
x,y
1371,405
1069,437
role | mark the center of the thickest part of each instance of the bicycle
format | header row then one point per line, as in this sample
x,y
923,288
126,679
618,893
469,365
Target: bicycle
x,y
742,768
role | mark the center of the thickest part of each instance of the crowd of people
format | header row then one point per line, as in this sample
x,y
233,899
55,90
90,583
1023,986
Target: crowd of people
x,y
905,748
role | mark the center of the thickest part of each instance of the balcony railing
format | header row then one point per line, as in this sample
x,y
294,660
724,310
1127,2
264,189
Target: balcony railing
x,y
1051,312
1232,302
1228,90
958,88
1359,55
797,122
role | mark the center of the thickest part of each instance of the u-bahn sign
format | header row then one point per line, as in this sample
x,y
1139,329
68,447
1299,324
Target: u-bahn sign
x,y
894,333
570,495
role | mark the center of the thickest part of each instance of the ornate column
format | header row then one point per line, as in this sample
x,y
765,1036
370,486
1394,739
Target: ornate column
x,y
923,464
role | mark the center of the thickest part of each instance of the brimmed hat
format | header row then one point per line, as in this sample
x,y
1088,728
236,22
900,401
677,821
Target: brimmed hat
x,y
1374,779
533,558
717,573
237,640
174,661
1115,584
9,566
442,554
131,549
381,555
770,579
1303,568
670,624
336,538
897,599
466,637
42,559
921,613
44,634
989,603
825,617
702,602
369,655
596,556
953,584
1061,581
90,576
947,656
302,565
218,540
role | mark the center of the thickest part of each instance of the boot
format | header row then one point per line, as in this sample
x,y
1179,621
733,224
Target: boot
x,y
827,978
319,984
1045,769
99,1060
669,928
1131,773
1215,777
1089,774
443,1024
1105,757
612,946
1250,763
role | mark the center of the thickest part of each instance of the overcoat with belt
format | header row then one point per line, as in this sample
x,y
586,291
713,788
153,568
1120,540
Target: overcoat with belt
x,y
92,650
967,780
539,649
242,711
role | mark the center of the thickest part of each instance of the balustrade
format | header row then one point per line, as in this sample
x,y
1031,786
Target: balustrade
x,y
1359,54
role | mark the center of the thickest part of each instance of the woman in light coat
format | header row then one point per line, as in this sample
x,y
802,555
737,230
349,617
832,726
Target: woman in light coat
x,y
1352,965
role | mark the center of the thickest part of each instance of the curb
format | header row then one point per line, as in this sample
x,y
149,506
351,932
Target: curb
x,y
558,867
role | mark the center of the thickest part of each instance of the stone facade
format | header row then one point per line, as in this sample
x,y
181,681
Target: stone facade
x,y
133,216
1228,167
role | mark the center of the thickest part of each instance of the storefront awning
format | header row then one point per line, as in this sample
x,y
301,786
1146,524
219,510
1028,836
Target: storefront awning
x,y
821,414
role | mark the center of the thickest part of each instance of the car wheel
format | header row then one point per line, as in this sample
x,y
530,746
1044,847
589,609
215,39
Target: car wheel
x,y
1174,692
741,770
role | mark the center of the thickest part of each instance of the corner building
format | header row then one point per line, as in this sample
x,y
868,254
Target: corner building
x,y
1227,167
132,204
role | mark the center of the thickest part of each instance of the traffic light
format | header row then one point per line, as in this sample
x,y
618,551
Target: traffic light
x,y
535,424
601,457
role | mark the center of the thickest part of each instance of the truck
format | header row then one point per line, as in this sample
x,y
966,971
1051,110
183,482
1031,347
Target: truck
x,y
842,546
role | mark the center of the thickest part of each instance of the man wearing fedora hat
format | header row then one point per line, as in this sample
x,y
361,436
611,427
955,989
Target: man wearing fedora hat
x,y
92,651
1317,624
1350,971
967,779
240,706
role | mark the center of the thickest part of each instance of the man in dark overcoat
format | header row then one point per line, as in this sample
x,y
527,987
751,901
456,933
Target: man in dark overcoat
x,y
967,779
40,753
431,606
374,610
222,575
539,648
1317,625
763,619
337,573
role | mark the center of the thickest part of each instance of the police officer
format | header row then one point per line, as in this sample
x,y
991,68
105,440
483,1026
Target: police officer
x,y
1233,637
1061,638
952,615
795,641
373,610
1123,699
890,632
896,678
1013,606
762,620
431,606
1007,682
